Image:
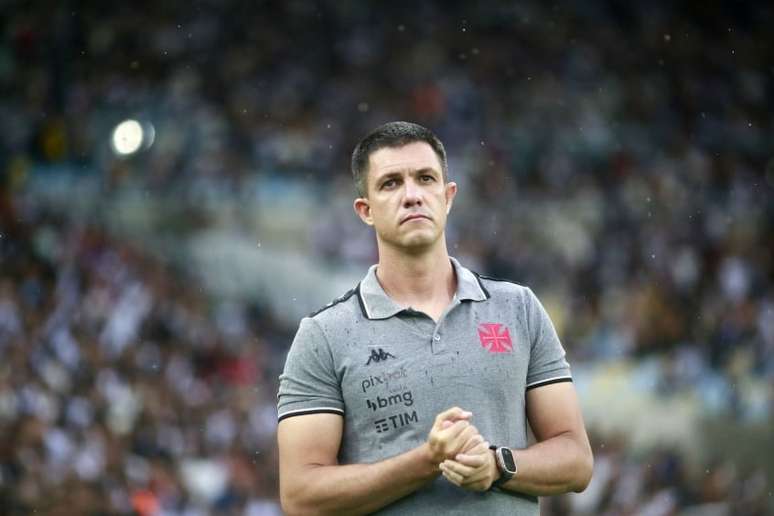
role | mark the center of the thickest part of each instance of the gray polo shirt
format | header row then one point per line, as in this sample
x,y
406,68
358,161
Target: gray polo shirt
x,y
390,370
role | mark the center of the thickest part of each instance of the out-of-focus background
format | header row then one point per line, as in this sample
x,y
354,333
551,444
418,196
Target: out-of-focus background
x,y
175,195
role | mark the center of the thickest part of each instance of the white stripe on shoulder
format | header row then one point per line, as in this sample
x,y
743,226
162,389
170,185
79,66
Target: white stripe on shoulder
x,y
549,380
310,409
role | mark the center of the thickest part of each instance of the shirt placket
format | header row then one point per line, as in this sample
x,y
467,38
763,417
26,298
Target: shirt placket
x,y
438,343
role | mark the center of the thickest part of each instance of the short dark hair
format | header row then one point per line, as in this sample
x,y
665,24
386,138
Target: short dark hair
x,y
391,134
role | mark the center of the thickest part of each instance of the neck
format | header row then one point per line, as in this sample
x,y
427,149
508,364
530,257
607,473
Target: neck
x,y
417,279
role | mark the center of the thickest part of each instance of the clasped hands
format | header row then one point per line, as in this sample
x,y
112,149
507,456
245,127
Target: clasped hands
x,y
461,453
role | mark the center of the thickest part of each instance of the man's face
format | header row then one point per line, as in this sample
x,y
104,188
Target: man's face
x,y
408,201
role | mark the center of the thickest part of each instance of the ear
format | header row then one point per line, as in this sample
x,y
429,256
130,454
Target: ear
x,y
451,193
363,210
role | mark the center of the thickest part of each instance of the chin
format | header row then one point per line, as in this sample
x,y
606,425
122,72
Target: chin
x,y
418,242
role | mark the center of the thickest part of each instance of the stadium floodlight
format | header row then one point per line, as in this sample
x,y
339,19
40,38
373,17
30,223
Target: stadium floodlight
x,y
130,135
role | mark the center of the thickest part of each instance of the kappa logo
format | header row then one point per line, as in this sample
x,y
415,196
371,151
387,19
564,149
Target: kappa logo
x,y
495,339
379,355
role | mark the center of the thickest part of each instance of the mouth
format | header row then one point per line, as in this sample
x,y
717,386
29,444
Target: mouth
x,y
414,216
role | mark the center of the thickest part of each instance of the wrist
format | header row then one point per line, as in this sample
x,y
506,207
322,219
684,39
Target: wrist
x,y
505,463
429,463
494,471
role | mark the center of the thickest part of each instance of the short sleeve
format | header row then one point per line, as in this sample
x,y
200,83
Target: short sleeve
x,y
309,383
547,363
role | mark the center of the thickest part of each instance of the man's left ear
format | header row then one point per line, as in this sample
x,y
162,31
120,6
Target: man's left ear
x,y
451,192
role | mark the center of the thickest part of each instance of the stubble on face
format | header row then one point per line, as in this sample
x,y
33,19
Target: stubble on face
x,y
408,197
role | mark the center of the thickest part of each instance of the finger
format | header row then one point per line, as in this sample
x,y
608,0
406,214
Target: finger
x,y
478,476
460,469
473,461
478,452
451,476
446,424
472,444
453,413
451,434
476,486
457,442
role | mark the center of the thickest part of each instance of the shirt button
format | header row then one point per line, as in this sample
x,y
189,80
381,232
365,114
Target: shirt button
x,y
436,337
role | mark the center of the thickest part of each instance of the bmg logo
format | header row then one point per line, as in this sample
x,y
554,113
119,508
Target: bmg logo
x,y
406,398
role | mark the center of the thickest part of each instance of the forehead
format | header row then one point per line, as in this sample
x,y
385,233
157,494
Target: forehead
x,y
412,156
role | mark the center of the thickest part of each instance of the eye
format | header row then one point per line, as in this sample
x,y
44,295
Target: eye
x,y
389,183
425,178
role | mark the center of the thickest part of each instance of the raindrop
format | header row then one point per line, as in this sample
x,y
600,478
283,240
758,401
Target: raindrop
x,y
401,28
653,256
328,126
362,107
749,124
482,144
259,243
667,37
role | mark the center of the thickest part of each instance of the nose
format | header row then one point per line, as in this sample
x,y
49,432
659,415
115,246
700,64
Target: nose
x,y
412,195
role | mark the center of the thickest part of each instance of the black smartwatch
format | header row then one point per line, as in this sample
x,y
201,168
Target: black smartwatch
x,y
505,463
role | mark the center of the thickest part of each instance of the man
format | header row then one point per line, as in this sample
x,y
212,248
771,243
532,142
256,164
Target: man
x,y
382,387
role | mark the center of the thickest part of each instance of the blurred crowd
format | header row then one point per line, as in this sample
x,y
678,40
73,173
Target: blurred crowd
x,y
662,482
123,390
616,158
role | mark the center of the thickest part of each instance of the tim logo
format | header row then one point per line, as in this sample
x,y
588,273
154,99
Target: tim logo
x,y
379,356
395,422
495,337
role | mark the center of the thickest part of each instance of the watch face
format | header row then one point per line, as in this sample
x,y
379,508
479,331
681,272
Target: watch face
x,y
508,462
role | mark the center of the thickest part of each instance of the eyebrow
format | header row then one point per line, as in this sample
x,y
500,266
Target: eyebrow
x,y
399,173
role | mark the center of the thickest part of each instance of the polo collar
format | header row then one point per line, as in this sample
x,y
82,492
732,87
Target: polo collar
x,y
376,304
